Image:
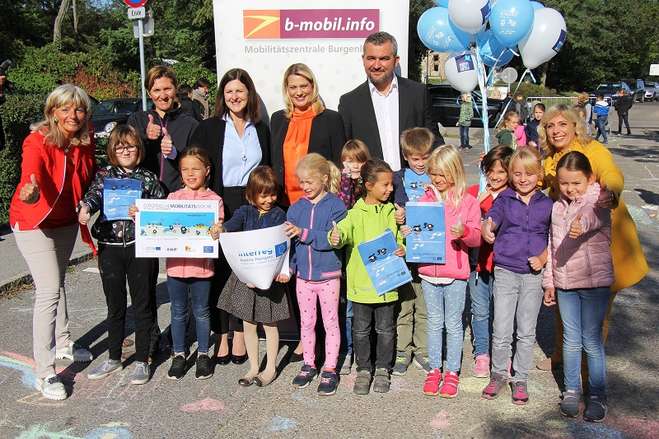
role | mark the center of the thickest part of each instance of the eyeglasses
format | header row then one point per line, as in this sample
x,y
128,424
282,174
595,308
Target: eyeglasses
x,y
124,148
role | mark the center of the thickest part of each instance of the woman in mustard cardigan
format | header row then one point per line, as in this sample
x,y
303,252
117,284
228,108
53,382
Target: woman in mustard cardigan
x,y
561,131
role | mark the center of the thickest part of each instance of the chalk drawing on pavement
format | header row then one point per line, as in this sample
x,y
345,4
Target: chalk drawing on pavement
x,y
204,405
279,423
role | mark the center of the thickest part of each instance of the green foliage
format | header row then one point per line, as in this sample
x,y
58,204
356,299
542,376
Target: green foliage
x,y
17,113
416,49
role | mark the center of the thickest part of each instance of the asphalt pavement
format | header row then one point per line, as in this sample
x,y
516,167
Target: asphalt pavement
x,y
218,407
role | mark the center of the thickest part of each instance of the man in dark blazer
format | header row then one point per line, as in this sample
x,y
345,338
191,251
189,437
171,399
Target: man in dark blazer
x,y
371,111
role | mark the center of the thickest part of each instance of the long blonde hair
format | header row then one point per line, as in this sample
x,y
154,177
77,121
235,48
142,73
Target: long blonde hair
x,y
320,166
61,96
571,116
447,160
304,71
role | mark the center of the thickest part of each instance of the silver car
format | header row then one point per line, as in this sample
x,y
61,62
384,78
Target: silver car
x,y
651,92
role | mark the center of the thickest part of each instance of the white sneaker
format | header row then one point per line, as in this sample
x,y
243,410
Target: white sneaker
x,y
73,353
51,387
141,373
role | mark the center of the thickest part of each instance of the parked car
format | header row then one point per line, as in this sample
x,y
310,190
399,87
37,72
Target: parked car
x,y
445,103
651,91
109,113
638,89
609,90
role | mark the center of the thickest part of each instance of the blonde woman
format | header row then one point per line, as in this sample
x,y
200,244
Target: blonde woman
x,y
57,167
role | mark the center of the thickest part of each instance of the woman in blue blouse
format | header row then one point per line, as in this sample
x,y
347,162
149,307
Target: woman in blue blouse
x,y
237,141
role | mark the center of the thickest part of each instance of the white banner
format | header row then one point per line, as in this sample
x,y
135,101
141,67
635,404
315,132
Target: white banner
x,y
257,256
175,229
264,37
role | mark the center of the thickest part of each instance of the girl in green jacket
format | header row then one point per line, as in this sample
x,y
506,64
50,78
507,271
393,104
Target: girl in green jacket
x,y
370,217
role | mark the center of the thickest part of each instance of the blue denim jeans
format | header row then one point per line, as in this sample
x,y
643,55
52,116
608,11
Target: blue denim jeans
x,y
445,305
480,292
345,317
464,135
582,312
600,123
199,290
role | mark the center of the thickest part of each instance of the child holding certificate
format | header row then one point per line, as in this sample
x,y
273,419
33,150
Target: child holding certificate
x,y
444,286
246,302
370,217
116,250
192,275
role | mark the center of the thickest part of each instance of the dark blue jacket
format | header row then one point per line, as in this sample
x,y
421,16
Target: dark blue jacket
x,y
522,230
248,217
313,257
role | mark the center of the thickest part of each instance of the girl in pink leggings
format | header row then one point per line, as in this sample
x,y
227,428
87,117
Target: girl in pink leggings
x,y
318,267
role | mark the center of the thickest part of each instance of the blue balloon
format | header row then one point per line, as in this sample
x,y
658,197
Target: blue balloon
x,y
438,33
511,21
443,3
537,5
491,50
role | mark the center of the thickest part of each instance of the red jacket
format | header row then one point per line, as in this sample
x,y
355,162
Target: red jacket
x,y
48,163
485,252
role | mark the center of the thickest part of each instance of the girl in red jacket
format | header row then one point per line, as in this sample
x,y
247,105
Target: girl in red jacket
x,y
444,286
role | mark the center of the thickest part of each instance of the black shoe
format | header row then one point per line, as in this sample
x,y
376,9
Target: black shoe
x,y
329,381
223,360
595,409
204,368
238,359
305,376
296,358
177,369
246,382
570,403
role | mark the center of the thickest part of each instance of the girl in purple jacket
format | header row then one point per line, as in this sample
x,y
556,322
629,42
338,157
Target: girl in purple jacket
x,y
518,225
580,272
318,268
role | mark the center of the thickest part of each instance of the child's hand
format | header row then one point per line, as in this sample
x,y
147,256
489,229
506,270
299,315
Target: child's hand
x,y
400,251
132,211
405,230
291,230
535,263
576,229
400,214
458,229
346,169
215,230
166,144
486,231
283,278
606,199
335,236
549,298
83,214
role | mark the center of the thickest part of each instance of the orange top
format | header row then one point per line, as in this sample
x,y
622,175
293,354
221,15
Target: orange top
x,y
296,145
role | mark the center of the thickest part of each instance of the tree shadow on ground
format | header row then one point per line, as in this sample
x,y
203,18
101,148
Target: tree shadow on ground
x,y
648,196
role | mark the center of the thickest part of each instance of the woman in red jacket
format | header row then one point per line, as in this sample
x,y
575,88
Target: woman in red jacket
x,y
57,167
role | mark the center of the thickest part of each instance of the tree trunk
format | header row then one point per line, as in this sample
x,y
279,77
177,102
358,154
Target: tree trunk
x,y
57,28
75,17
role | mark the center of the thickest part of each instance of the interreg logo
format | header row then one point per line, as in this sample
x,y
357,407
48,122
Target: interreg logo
x,y
310,23
277,250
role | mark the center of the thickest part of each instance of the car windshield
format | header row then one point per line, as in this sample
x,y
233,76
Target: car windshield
x,y
104,107
126,106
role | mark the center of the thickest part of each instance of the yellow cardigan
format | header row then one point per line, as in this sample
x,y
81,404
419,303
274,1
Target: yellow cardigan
x,y
629,264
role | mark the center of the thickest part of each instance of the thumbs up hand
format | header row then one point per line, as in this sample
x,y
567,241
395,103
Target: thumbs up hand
x,y
166,145
335,235
152,129
458,229
400,214
30,191
576,229
487,231
83,214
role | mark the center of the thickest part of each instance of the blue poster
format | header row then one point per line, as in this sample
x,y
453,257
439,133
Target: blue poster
x,y
415,184
386,270
427,241
118,195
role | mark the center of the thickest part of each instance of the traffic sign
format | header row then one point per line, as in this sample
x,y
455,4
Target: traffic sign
x,y
136,13
135,3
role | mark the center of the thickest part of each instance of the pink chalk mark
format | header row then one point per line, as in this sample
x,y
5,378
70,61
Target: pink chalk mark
x,y
18,357
440,421
205,405
637,427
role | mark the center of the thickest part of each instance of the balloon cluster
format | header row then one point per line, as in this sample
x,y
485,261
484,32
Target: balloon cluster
x,y
462,25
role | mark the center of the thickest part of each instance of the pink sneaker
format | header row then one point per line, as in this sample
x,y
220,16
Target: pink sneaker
x,y
431,385
482,366
450,387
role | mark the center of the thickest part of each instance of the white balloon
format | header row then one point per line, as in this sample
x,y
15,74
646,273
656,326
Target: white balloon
x,y
461,72
546,38
469,15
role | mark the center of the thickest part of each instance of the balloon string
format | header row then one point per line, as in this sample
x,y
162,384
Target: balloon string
x,y
503,113
484,113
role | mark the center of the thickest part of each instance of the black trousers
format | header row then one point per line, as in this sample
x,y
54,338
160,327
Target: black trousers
x,y
118,264
623,117
365,317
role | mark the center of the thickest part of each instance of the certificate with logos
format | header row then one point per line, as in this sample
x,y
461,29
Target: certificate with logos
x,y
175,228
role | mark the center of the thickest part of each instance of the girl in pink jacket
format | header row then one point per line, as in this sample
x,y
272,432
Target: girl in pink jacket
x,y
580,273
444,286
191,275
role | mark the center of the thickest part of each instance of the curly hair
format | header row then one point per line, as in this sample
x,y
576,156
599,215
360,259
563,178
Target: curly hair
x,y
571,116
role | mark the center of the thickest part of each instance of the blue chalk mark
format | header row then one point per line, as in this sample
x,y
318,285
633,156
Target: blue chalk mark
x,y
28,377
282,424
109,432
588,430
